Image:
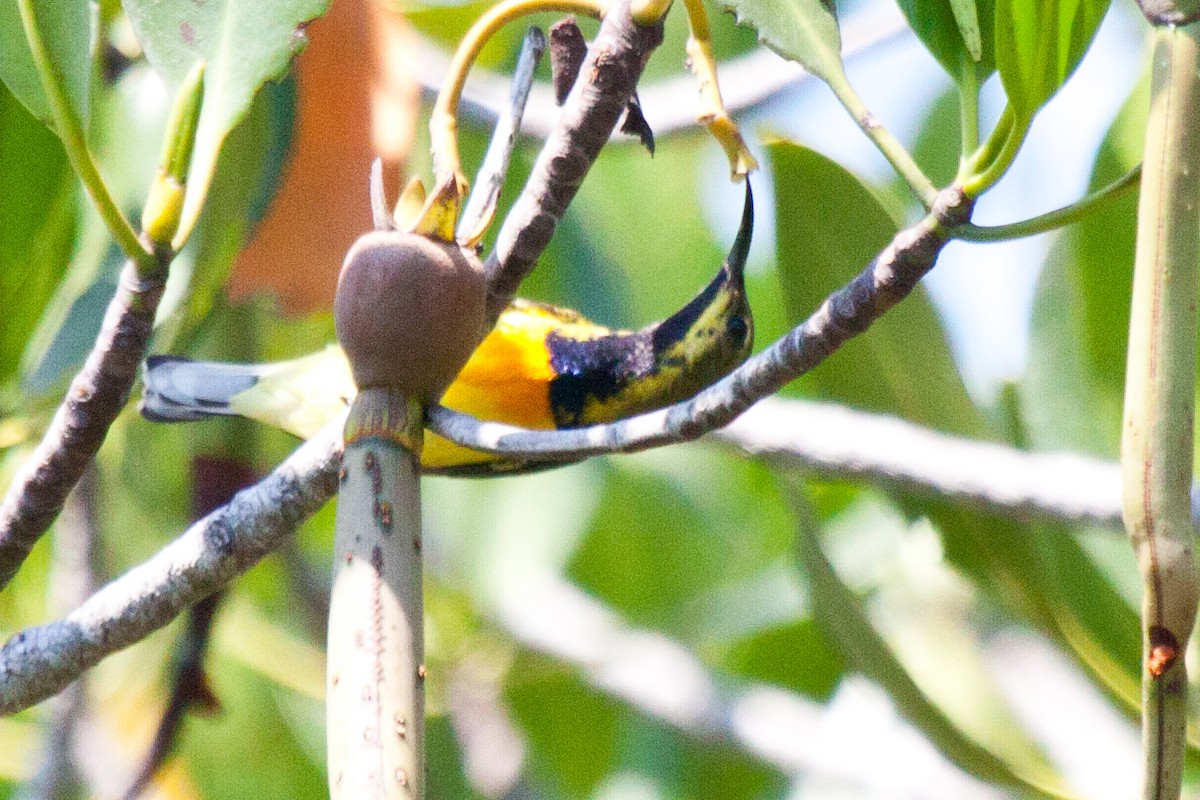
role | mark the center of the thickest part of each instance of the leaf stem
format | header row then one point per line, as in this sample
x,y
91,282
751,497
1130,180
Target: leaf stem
x,y
891,148
1052,219
979,172
968,107
69,128
712,113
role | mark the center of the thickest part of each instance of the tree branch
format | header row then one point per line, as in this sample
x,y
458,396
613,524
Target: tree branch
x,y
40,661
611,71
839,443
97,395
832,442
847,312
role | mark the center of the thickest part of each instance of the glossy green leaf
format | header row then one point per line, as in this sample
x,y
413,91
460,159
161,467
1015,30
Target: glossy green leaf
x,y
957,32
245,44
1039,44
841,617
65,28
829,226
805,31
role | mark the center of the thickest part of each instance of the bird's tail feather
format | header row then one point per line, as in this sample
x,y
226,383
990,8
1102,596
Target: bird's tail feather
x,y
181,390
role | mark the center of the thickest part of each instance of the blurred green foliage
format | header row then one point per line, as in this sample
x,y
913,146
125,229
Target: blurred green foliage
x,y
693,547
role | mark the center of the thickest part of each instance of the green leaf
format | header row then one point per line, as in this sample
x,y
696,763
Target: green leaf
x,y
957,32
840,614
1038,45
771,656
705,540
245,44
557,713
129,144
829,226
65,28
37,204
1080,317
805,31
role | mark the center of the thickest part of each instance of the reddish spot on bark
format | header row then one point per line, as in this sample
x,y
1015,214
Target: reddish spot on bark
x,y
1164,649
187,33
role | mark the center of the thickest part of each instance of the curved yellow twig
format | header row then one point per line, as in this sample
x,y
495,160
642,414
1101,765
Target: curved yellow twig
x,y
443,122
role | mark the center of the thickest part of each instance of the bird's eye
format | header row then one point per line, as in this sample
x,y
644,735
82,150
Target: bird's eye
x,y
737,329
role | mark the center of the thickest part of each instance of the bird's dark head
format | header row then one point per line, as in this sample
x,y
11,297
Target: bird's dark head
x,y
715,331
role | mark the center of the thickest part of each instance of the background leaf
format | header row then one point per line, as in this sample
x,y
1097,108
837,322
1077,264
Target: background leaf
x,y
245,44
37,204
66,32
1039,44
829,227
843,622
805,31
957,32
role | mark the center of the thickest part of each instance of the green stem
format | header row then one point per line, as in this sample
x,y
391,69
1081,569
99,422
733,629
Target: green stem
x,y
1157,434
900,159
70,130
1051,219
968,106
996,155
375,689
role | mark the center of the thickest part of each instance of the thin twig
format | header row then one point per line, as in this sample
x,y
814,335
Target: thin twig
x,y
845,313
38,662
481,206
613,66
93,401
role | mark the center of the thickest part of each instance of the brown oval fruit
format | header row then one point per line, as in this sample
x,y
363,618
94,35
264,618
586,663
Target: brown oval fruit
x,y
408,310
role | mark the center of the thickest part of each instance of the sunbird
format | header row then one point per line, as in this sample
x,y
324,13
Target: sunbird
x,y
541,367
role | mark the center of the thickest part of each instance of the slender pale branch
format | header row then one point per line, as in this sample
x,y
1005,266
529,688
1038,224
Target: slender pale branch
x,y
481,206
663,679
609,75
1157,432
69,127
39,662
887,144
837,442
1051,220
845,313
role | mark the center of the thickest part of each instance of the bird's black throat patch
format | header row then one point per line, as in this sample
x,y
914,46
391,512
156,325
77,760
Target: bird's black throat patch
x,y
598,368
